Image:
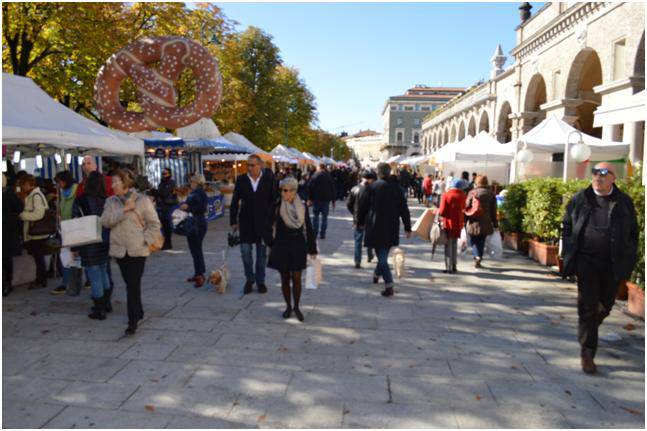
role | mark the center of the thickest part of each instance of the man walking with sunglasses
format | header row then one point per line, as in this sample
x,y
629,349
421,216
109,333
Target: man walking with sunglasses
x,y
599,244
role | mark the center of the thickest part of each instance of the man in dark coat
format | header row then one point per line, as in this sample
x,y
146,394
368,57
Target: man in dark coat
x,y
321,192
599,245
354,198
254,196
380,211
405,181
166,201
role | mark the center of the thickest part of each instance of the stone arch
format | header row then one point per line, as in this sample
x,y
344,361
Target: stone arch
x,y
639,63
585,73
484,122
471,128
461,131
535,97
504,123
446,136
452,134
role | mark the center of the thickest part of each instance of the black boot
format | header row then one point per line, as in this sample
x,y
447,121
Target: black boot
x,y
99,310
107,295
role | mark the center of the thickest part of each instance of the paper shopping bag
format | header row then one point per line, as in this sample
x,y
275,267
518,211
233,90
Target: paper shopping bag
x,y
422,226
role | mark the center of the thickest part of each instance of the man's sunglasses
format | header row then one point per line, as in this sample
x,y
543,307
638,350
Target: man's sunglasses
x,y
602,171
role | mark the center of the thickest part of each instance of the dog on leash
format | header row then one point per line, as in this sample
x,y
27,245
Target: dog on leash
x,y
398,262
220,279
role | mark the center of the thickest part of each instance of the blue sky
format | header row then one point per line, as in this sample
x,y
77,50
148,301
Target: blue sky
x,y
353,56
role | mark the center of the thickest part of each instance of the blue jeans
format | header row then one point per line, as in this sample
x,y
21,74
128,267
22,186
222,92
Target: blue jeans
x,y
98,276
195,245
248,263
478,244
320,207
382,267
359,242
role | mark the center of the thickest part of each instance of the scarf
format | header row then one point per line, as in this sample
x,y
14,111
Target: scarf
x,y
293,214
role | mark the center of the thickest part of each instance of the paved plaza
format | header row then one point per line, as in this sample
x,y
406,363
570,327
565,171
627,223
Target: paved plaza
x,y
494,347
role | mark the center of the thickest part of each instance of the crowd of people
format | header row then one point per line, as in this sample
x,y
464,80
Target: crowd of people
x,y
273,209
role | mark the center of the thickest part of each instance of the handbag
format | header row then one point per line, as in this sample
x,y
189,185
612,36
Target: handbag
x,y
187,227
46,225
158,242
313,273
438,234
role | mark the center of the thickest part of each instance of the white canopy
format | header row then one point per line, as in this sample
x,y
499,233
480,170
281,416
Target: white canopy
x,y
239,139
396,159
280,153
33,121
484,148
550,136
312,158
415,160
328,160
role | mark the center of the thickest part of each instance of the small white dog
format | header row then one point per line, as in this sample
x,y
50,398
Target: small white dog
x,y
220,277
398,262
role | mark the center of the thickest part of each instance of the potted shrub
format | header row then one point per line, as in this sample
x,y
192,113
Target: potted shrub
x,y
512,221
542,218
636,286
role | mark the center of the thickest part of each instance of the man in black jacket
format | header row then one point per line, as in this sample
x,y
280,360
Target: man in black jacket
x,y
599,245
321,192
254,197
166,201
380,209
356,195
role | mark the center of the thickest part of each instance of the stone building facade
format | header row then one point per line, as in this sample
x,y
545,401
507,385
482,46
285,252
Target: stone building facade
x,y
572,60
403,116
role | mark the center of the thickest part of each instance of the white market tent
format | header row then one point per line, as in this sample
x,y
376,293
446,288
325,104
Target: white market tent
x,y
33,122
484,148
395,159
314,159
550,136
328,160
241,140
280,153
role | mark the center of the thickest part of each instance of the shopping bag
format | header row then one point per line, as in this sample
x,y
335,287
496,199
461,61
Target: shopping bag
x,y
68,260
313,273
177,216
81,231
438,234
24,270
463,241
422,226
186,227
493,245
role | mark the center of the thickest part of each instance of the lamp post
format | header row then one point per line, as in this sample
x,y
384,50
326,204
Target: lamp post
x,y
579,152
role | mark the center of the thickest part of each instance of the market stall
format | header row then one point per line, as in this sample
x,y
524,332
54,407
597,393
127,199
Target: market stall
x,y
546,143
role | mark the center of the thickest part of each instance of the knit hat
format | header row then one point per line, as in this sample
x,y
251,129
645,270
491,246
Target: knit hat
x,y
456,183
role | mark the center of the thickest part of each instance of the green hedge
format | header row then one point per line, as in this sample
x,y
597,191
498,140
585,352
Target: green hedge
x,y
537,207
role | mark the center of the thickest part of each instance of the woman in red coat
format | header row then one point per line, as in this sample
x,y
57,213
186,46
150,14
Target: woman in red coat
x,y
427,187
452,205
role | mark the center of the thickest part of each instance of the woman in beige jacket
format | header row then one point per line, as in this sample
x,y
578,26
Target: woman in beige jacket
x,y
134,225
35,208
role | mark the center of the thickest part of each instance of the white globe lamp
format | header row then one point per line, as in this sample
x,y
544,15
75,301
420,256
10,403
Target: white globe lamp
x,y
525,155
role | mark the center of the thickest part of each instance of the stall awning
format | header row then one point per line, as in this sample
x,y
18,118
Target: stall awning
x,y
34,122
214,145
238,139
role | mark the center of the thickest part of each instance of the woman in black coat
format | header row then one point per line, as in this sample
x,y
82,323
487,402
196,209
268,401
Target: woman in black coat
x,y
12,206
380,211
289,245
94,257
196,204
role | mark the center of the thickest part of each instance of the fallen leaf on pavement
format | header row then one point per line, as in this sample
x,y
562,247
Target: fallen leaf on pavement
x,y
282,349
632,411
629,327
262,418
568,392
478,397
149,408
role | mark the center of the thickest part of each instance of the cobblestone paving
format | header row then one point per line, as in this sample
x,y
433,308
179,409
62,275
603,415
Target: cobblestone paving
x,y
494,347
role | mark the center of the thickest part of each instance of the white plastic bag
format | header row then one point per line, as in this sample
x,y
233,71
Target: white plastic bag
x,y
81,231
313,273
462,241
178,216
493,245
68,260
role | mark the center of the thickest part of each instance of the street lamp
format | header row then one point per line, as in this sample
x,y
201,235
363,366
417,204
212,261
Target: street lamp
x,y
579,152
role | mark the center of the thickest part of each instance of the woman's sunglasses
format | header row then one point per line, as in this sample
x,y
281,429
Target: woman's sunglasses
x,y
602,171
286,190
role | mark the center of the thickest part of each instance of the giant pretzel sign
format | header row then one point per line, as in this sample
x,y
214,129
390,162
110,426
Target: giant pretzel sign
x,y
155,86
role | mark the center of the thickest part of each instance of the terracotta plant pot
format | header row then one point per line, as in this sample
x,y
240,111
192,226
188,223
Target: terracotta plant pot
x,y
516,241
622,293
543,253
636,300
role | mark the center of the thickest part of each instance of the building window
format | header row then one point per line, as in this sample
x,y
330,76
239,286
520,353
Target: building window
x,y
394,107
398,121
424,108
416,138
398,137
408,108
619,56
433,107
416,122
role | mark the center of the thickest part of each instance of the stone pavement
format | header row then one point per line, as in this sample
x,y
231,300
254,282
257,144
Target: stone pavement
x,y
494,347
